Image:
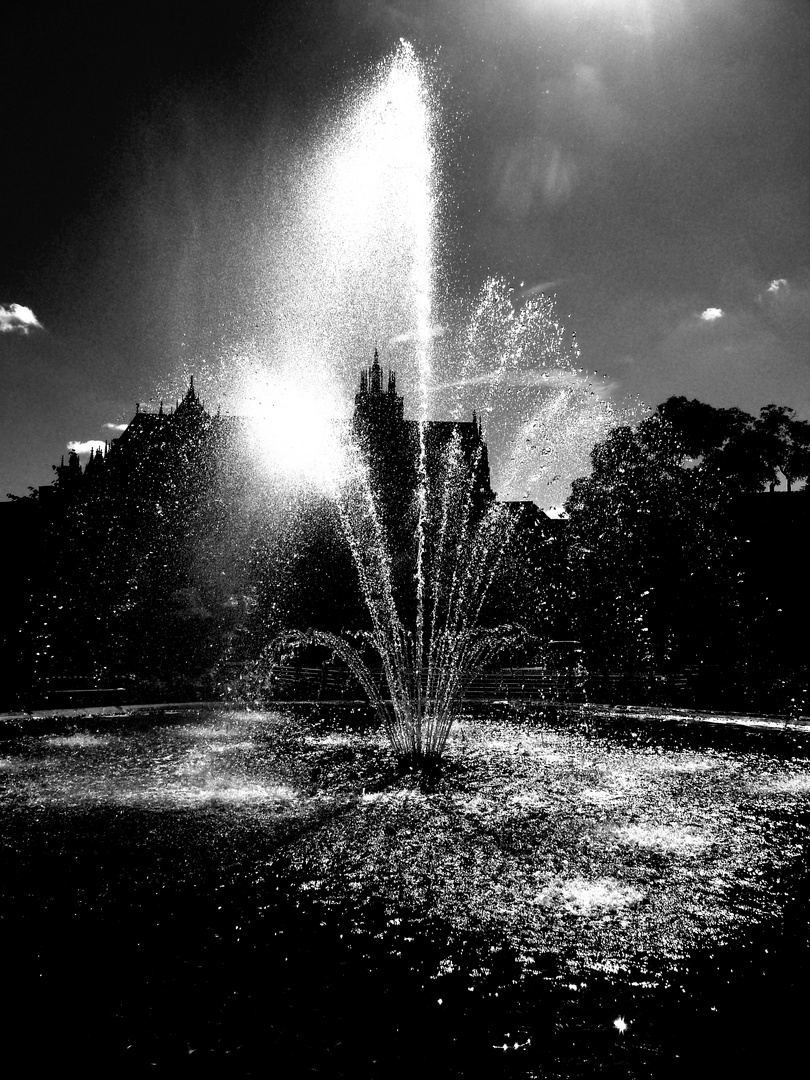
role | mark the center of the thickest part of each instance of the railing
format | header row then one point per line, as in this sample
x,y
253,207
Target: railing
x,y
500,684
548,686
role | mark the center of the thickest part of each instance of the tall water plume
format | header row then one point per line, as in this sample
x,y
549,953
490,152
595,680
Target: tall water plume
x,y
347,264
370,212
373,198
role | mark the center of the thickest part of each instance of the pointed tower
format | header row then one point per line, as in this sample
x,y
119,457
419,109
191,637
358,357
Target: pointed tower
x,y
375,375
385,438
190,408
70,475
373,405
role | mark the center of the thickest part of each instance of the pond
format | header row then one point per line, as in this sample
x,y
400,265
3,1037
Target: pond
x,y
222,893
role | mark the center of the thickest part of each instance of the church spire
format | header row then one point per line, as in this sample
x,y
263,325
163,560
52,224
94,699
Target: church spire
x,y
191,393
374,400
375,375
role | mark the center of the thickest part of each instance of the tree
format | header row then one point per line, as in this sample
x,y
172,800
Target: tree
x,y
700,428
654,552
786,442
728,444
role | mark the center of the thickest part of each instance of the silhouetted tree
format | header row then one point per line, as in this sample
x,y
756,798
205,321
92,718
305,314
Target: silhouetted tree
x,y
654,553
786,442
728,444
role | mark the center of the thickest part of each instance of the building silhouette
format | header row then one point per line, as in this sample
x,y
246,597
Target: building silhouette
x,y
165,555
155,443
398,451
161,555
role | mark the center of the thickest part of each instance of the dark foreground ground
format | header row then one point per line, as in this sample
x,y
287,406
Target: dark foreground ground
x,y
165,915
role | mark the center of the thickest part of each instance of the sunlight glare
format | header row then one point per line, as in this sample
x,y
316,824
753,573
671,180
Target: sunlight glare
x,y
297,432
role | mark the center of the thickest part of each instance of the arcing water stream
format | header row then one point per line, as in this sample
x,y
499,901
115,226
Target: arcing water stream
x,y
378,194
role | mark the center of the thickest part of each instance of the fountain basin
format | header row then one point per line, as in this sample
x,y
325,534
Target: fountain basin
x,y
215,890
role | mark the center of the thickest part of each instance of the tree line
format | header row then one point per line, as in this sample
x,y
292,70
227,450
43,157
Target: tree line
x,y
668,549
168,563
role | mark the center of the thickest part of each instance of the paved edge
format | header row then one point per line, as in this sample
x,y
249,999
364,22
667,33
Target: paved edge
x,y
766,721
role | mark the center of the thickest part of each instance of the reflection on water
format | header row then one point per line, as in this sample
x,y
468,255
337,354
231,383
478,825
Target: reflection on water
x,y
545,820
158,764
79,740
790,784
580,895
606,855
667,838
550,871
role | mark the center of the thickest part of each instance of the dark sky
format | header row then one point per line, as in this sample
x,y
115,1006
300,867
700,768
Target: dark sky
x,y
644,160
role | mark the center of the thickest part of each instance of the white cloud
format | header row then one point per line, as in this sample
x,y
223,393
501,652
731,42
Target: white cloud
x,y
115,427
753,355
16,318
777,290
88,447
712,313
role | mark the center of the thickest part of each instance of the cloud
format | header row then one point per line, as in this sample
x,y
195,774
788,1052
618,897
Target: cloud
x,y
115,427
711,314
88,447
784,306
754,354
16,318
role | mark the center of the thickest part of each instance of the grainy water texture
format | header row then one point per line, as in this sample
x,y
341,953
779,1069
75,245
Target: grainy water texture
x,y
599,852
567,879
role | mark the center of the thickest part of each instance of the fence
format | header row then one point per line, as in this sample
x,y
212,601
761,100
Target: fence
x,y
498,684
698,688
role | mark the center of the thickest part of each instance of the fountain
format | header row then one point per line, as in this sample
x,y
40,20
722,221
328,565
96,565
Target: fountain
x,y
425,620
426,666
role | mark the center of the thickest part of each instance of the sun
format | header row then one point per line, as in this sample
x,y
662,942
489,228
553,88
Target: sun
x,y
297,433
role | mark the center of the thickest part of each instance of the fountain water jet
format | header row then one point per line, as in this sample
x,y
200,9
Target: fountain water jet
x,y
425,670
425,667
427,637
